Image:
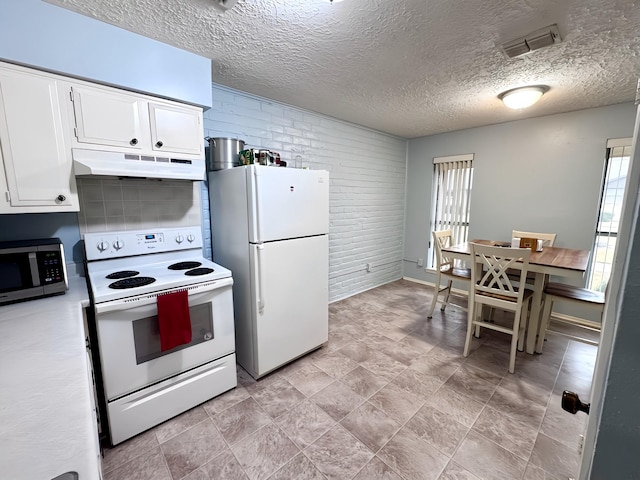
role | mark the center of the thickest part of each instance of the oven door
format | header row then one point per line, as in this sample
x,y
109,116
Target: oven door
x,y
129,339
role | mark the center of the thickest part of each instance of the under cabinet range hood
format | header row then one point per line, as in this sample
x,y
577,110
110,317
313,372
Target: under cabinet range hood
x,y
119,164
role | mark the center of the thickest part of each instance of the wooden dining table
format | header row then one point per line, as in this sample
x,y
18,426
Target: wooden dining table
x,y
557,261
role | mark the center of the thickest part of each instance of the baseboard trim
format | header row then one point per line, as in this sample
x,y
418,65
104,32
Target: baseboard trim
x,y
577,321
362,291
421,282
455,291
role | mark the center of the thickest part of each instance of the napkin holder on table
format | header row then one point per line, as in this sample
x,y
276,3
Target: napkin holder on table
x,y
534,244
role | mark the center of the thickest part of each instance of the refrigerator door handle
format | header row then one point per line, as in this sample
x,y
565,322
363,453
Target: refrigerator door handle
x,y
258,205
259,248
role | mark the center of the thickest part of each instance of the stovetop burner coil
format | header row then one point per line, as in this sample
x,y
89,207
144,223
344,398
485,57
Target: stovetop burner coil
x,y
132,282
184,265
199,271
122,274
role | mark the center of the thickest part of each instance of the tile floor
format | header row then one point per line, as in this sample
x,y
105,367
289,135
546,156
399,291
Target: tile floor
x,y
389,397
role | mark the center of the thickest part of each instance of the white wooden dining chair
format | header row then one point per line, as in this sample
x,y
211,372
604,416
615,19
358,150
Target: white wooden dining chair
x,y
548,239
560,292
491,286
445,267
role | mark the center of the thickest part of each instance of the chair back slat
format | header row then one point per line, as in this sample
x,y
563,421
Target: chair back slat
x,y
443,239
495,275
490,275
492,287
446,267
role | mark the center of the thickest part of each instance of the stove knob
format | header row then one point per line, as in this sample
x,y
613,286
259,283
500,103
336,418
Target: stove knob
x,y
191,237
118,244
179,239
102,246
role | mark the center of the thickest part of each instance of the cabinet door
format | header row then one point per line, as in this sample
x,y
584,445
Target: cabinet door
x,y
176,129
37,164
108,118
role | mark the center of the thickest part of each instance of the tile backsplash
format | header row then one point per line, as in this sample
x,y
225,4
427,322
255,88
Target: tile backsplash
x,y
112,204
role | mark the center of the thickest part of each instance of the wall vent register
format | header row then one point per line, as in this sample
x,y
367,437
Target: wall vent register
x,y
543,37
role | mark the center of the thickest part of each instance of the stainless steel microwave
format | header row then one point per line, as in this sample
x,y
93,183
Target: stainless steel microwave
x,y
31,269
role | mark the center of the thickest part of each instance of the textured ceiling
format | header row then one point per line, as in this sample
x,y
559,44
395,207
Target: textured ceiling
x,y
406,67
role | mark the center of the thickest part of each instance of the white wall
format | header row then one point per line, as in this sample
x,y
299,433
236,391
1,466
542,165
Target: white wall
x,y
367,180
542,174
48,37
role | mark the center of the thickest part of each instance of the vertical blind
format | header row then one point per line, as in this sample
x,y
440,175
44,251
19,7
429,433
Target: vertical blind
x,y
614,182
452,193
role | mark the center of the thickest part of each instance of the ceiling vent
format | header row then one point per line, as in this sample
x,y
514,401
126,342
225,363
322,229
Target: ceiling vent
x,y
225,4
533,41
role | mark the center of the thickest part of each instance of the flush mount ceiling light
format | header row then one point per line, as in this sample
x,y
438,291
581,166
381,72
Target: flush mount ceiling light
x,y
522,97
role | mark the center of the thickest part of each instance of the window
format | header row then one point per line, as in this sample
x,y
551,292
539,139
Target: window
x,y
615,179
452,178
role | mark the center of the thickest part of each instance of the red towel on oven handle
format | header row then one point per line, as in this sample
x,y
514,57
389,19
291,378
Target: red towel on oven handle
x,y
173,319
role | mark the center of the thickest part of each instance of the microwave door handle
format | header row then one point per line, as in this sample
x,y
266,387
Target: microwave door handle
x,y
35,273
64,267
260,247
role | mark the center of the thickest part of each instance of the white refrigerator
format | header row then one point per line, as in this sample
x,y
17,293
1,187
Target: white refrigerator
x,y
270,228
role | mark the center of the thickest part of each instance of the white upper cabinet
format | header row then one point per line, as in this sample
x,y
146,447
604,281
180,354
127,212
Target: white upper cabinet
x,y
107,118
44,116
114,120
36,173
176,128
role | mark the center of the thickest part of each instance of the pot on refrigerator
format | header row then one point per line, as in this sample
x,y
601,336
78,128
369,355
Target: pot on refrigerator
x,y
223,152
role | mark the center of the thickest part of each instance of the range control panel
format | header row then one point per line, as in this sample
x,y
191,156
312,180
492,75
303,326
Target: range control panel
x,y
127,243
150,238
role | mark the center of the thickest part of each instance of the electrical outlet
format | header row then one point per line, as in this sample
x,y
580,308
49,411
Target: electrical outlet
x,y
368,267
421,262
580,444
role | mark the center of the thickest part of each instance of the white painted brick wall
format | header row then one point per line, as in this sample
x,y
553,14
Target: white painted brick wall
x,y
367,172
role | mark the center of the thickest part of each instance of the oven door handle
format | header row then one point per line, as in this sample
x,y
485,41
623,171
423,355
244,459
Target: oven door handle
x,y
260,248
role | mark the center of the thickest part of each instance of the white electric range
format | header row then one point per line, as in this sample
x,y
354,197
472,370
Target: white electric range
x,y
142,384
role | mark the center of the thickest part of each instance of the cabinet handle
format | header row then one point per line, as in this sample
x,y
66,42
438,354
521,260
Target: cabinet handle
x,y
159,144
61,198
134,141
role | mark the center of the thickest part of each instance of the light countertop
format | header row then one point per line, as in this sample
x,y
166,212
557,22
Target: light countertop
x,y
47,423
